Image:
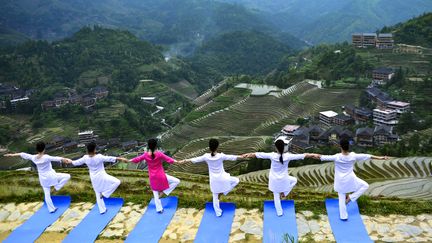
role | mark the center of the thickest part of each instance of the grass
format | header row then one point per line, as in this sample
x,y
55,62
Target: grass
x,y
193,191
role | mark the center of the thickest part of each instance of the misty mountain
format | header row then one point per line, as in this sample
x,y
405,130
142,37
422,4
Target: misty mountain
x,y
331,21
182,24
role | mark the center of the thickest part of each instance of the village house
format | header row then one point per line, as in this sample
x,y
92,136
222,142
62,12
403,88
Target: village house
x,y
399,106
326,117
299,147
385,41
100,92
149,100
360,115
378,97
129,145
382,75
289,130
365,137
385,117
383,135
70,146
380,41
86,137
342,120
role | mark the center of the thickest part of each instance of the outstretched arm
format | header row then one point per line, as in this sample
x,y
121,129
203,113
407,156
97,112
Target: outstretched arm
x,y
122,159
379,157
248,155
313,156
12,155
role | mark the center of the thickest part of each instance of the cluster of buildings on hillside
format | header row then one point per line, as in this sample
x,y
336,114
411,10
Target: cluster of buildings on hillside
x,y
86,100
69,145
10,94
13,95
386,113
334,126
305,138
373,40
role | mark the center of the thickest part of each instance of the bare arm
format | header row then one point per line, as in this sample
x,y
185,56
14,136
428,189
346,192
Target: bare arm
x,y
379,157
12,155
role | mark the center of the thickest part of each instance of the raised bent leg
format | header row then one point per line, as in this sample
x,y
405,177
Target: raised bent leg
x,y
172,182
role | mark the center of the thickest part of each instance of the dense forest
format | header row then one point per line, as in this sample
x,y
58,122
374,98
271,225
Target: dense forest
x,y
416,31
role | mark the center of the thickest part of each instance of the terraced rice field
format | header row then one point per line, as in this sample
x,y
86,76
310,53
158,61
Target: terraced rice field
x,y
400,177
259,115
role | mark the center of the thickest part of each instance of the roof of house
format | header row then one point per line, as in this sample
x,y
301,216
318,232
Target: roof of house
x,y
301,132
363,111
385,35
129,143
315,128
99,89
342,117
301,144
398,103
328,113
386,130
70,144
370,34
365,131
346,133
385,70
377,93
290,128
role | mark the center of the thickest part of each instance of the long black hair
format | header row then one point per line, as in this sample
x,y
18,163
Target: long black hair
x,y
91,147
344,143
213,145
152,145
40,147
280,146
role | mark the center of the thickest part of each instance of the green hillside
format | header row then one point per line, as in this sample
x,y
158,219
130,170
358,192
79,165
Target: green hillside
x,y
240,53
416,31
182,24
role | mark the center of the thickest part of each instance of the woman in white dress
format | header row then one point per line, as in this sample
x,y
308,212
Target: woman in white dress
x,y
220,181
280,182
103,184
345,181
47,175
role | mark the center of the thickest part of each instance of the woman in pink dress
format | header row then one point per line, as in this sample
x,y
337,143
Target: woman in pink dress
x,y
160,182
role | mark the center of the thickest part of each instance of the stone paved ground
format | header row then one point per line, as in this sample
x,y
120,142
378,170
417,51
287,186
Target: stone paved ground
x,y
247,225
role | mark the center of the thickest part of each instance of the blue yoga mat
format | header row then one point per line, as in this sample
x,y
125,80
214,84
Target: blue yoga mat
x,y
215,229
152,225
36,224
94,222
276,227
351,230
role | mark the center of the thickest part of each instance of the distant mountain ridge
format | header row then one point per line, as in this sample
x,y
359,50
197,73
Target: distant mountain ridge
x,y
331,21
182,24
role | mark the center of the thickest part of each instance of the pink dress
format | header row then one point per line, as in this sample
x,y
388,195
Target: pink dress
x,y
158,179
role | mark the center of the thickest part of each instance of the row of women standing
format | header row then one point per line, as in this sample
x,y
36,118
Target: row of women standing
x,y
280,183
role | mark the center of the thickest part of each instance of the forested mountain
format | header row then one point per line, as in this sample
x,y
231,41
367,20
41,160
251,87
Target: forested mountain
x,y
330,21
416,31
240,53
107,52
183,24
10,37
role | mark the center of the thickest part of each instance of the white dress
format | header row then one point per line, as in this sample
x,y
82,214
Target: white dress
x,y
47,175
101,181
345,180
279,179
220,181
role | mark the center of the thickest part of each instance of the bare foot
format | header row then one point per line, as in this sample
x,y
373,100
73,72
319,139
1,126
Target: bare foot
x,y
161,194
